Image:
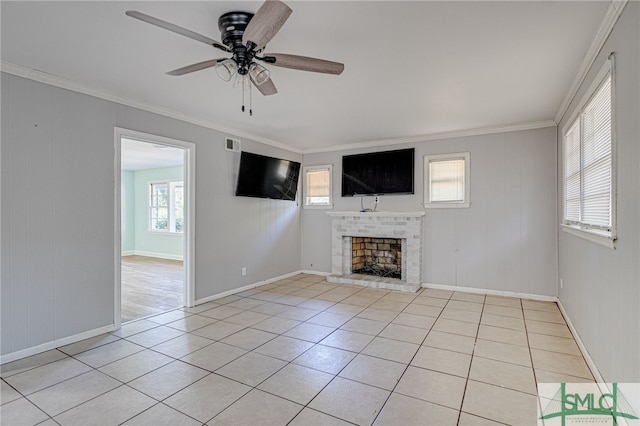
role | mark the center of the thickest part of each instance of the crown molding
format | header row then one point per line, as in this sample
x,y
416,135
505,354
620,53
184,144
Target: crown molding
x,y
613,13
53,80
436,136
63,83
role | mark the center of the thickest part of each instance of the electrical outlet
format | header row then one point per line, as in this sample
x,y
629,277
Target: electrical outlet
x,y
244,271
561,283
376,199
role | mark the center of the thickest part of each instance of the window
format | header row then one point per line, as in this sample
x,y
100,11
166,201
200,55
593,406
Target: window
x,y
317,187
589,195
166,207
446,180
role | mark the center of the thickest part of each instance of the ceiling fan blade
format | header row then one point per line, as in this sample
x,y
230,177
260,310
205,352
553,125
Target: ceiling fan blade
x,y
267,88
266,23
305,63
174,28
196,67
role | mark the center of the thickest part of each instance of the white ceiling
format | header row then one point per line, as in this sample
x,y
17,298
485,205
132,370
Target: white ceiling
x,y
136,155
411,68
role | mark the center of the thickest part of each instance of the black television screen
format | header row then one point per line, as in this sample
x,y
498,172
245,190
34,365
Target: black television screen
x,y
378,173
267,177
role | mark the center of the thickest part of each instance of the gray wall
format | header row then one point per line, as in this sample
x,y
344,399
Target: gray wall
x,y
601,286
128,211
57,206
505,241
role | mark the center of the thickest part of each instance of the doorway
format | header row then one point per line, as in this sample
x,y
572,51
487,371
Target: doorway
x,y
154,193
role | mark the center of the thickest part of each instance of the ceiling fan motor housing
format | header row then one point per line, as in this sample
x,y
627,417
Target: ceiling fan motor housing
x,y
232,26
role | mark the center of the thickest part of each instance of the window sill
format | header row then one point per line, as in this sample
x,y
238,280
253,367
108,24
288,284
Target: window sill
x,y
447,205
175,234
320,207
593,236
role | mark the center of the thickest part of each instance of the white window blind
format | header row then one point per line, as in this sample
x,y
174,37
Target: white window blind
x,y
588,163
446,180
596,159
572,173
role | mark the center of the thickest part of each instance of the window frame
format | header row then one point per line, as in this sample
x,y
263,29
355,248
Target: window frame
x,y
428,159
171,219
579,229
322,167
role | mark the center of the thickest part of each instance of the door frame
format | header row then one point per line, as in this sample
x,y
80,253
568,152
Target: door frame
x,y
189,214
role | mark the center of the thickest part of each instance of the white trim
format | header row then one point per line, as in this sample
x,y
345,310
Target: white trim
x,y
592,236
609,21
608,68
321,167
318,206
446,205
585,353
56,343
435,136
117,230
245,288
189,213
63,83
128,253
490,292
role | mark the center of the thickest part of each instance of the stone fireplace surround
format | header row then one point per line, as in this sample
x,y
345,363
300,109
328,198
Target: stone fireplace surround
x,y
406,226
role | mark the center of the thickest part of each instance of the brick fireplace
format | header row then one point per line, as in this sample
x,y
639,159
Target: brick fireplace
x,y
403,228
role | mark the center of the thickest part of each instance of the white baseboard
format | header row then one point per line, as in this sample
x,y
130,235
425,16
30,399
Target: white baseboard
x,y
128,253
246,287
55,344
156,255
491,292
585,353
324,274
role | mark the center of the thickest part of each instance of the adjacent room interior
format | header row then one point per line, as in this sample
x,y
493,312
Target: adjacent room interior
x,y
421,213
152,224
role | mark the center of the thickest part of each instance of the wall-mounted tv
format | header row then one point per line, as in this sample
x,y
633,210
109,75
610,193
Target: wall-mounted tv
x,y
267,177
378,173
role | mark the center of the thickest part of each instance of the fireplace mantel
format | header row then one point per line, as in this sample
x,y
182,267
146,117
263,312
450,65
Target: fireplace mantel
x,y
406,226
375,214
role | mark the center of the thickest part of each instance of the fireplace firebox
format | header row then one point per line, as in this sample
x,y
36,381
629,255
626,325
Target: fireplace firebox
x,y
381,257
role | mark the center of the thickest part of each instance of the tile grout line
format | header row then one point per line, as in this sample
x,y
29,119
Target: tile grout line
x,y
410,361
466,383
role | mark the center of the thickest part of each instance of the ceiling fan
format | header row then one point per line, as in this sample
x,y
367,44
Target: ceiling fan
x,y
245,36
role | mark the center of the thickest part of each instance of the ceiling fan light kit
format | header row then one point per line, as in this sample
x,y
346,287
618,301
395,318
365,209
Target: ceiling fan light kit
x,y
245,35
226,69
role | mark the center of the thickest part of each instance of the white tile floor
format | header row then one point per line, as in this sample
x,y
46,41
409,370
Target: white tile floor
x,y
302,351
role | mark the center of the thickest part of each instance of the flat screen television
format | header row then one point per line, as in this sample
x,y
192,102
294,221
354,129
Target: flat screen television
x,y
378,173
267,177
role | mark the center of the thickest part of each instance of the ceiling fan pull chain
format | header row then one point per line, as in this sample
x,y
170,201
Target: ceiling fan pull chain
x,y
242,82
250,101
